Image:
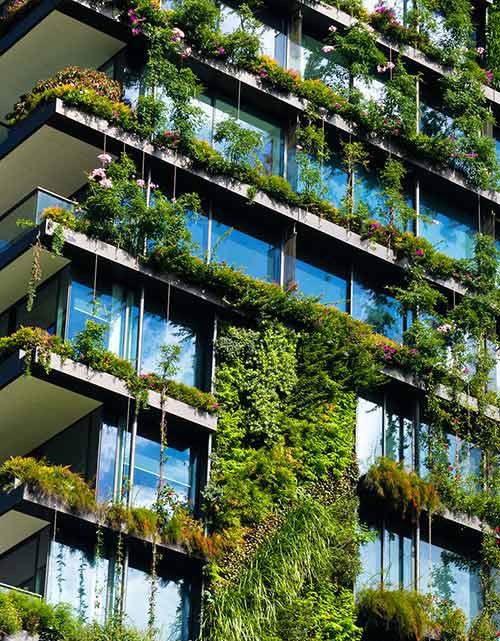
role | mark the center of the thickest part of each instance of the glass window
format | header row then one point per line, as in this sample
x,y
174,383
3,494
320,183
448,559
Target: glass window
x,y
46,308
76,578
316,65
113,305
171,604
387,560
369,433
378,309
449,227
178,472
367,192
255,256
109,453
217,110
24,565
174,327
446,575
271,32
371,89
197,225
330,288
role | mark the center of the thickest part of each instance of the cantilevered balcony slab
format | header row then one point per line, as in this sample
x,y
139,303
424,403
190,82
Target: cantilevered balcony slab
x,y
16,265
52,35
24,512
36,406
34,410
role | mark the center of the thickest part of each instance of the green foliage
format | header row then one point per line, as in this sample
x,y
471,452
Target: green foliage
x,y
20,611
404,490
240,144
396,613
312,542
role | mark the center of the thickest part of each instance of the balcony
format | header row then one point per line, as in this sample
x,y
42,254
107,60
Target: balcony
x,y
18,232
78,35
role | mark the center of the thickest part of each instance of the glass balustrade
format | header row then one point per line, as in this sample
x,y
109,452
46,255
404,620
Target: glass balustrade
x,y
28,213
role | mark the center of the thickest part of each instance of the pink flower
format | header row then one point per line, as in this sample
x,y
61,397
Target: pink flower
x,y
471,154
375,225
140,182
489,76
381,68
104,159
107,183
390,65
187,52
178,33
263,74
332,28
97,173
480,50
327,48
136,31
153,186
220,50
419,252
445,328
450,468
299,148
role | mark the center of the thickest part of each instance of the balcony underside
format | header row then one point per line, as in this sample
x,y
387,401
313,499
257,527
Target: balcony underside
x,y
28,58
44,157
37,406
15,270
34,410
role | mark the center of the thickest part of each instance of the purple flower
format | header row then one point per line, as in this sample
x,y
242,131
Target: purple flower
x,y
419,252
220,50
136,31
97,173
263,74
375,225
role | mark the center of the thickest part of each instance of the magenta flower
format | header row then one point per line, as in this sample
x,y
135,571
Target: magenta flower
x,y
375,225
136,31
220,50
419,252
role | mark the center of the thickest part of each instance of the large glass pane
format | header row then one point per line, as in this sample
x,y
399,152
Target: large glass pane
x,y
398,432
398,561
330,288
30,211
378,309
446,575
271,152
171,604
197,225
108,455
317,65
255,256
371,563
271,35
113,305
76,578
449,227
163,327
367,192
177,473
369,429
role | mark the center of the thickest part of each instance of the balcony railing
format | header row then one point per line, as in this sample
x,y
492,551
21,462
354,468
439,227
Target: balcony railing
x,y
26,214
10,588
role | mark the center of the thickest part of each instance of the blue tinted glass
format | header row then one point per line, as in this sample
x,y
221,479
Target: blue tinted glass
x,y
116,308
442,573
378,310
450,230
177,472
367,190
255,257
77,579
159,332
317,65
171,605
108,452
371,563
197,225
369,433
330,288
335,179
